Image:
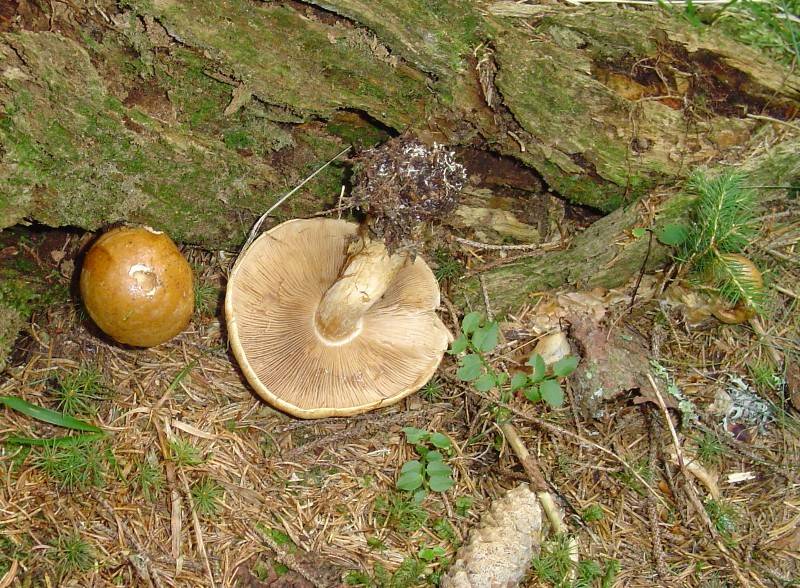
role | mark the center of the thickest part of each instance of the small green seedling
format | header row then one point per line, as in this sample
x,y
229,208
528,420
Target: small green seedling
x,y
206,497
71,553
78,392
429,472
723,224
479,337
150,477
183,453
538,386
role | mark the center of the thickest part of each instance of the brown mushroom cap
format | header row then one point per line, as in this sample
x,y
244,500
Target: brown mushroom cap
x,y
272,298
137,286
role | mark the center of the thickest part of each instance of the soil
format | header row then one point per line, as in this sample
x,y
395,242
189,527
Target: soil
x,y
312,503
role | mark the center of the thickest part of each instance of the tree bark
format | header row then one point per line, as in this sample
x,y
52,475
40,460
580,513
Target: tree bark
x,y
194,116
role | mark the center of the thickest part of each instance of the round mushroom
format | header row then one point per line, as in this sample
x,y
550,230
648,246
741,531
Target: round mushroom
x,y
325,323
137,286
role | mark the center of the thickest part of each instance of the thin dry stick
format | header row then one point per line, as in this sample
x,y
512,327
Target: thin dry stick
x,y
542,424
775,120
652,511
142,564
10,575
765,340
176,512
662,405
531,466
198,531
491,247
257,226
489,313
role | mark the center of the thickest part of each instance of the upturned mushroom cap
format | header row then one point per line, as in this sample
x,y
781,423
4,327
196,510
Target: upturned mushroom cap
x,y
137,286
272,298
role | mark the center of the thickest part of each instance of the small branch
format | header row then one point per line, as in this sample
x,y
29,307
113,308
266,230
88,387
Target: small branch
x,y
531,466
774,120
641,271
491,247
662,405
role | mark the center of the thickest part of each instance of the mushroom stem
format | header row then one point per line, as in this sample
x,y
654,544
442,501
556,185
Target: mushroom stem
x,y
365,277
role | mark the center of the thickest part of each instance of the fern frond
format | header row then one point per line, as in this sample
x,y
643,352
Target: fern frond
x,y
738,280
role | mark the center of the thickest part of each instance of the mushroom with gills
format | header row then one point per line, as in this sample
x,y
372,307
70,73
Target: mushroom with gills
x,y
326,321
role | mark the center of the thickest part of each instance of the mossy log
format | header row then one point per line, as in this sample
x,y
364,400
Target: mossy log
x,y
194,116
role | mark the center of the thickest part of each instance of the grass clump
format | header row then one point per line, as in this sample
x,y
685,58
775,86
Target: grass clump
x,y
71,553
766,25
150,477
710,450
554,567
206,497
184,453
76,466
592,513
78,392
205,298
724,518
446,267
401,512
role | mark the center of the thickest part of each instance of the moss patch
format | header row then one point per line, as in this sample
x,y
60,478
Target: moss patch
x,y
75,155
297,62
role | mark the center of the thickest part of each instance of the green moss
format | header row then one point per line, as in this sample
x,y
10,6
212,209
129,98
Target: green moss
x,y
434,35
70,158
304,64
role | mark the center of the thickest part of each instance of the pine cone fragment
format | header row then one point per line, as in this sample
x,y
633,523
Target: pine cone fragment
x,y
499,550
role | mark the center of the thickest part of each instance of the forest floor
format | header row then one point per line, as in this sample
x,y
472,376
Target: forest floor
x,y
197,482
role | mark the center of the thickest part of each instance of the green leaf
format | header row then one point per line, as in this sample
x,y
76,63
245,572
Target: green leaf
x,y
431,553
518,380
639,232
409,481
471,367
672,234
485,383
500,379
414,435
438,468
411,466
440,483
533,394
46,415
433,456
537,363
459,345
565,366
485,338
470,322
552,393
419,496
441,441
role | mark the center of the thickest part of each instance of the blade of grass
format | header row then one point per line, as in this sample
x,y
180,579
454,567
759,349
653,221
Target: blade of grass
x,y
46,415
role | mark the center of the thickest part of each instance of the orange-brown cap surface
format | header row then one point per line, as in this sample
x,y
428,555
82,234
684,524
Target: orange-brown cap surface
x,y
137,286
271,302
